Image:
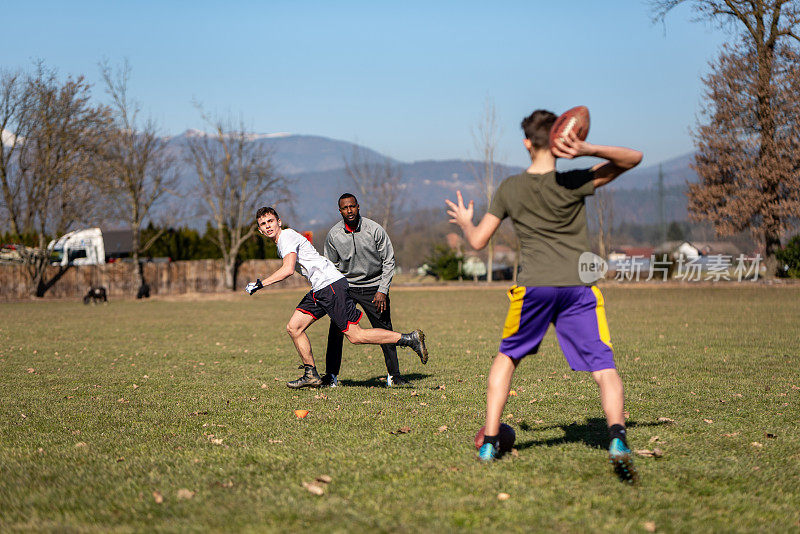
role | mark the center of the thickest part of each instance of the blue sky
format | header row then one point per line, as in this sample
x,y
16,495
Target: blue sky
x,y
408,79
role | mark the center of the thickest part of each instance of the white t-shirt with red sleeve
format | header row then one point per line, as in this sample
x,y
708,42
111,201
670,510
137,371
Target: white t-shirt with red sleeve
x,y
316,268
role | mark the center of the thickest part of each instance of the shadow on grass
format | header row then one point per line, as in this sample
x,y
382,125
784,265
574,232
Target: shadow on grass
x,y
593,433
377,382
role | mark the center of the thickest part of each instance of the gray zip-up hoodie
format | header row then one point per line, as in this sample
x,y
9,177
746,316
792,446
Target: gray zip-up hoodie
x,y
365,255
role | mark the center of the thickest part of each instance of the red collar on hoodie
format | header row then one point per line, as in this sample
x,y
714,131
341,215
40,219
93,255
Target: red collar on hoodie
x,y
351,230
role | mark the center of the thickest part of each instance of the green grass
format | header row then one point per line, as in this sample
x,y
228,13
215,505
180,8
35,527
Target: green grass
x,y
102,406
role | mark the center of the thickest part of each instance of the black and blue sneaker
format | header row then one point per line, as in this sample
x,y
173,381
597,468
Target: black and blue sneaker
x,y
622,461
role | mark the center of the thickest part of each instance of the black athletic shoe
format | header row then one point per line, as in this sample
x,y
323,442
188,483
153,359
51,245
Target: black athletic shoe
x,y
310,379
330,381
395,381
417,344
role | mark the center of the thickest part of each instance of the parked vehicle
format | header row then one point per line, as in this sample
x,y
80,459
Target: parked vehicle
x,y
91,246
10,253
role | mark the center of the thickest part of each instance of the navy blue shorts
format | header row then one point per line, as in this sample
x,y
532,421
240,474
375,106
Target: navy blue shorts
x,y
334,301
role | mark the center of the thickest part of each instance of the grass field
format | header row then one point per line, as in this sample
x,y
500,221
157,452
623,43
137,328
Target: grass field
x,y
174,416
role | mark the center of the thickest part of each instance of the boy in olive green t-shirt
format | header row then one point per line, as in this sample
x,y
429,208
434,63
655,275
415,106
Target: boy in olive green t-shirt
x,y
548,212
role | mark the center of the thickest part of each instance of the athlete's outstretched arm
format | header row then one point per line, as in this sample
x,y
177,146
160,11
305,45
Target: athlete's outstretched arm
x,y
284,271
477,236
620,159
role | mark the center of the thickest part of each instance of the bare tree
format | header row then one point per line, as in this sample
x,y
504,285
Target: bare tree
x,y
49,185
137,171
747,146
486,136
604,217
236,176
13,132
379,184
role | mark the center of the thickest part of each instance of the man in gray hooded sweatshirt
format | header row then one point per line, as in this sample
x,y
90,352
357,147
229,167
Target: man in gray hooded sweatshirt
x,y
362,251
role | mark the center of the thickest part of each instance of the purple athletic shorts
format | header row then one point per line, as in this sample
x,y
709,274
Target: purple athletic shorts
x,y
579,315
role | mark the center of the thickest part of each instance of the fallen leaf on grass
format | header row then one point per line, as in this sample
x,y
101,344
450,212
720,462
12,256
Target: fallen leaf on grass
x,y
414,393
731,435
216,441
185,494
709,421
649,526
301,413
31,370
276,441
665,420
314,488
441,386
121,459
647,453
264,386
81,445
442,428
757,445
515,453
158,497
653,439
503,496
512,393
325,479
402,430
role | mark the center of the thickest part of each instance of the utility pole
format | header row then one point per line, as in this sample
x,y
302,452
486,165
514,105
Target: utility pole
x,y
661,222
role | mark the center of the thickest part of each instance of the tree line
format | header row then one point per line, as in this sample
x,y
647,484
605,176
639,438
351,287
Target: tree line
x,y
67,161
185,243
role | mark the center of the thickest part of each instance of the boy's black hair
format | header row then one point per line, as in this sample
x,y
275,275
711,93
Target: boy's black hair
x,y
265,210
348,195
537,127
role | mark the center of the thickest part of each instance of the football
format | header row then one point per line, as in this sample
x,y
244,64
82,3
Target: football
x,y
573,120
507,437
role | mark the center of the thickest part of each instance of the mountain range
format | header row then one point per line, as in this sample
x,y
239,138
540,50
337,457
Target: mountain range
x,y
315,166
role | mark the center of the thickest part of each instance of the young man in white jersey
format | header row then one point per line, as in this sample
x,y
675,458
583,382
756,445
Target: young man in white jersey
x,y
328,295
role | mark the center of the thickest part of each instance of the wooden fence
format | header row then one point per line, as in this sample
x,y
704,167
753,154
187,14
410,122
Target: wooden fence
x,y
174,278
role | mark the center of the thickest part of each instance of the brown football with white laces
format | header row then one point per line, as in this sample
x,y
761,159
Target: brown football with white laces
x,y
573,120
